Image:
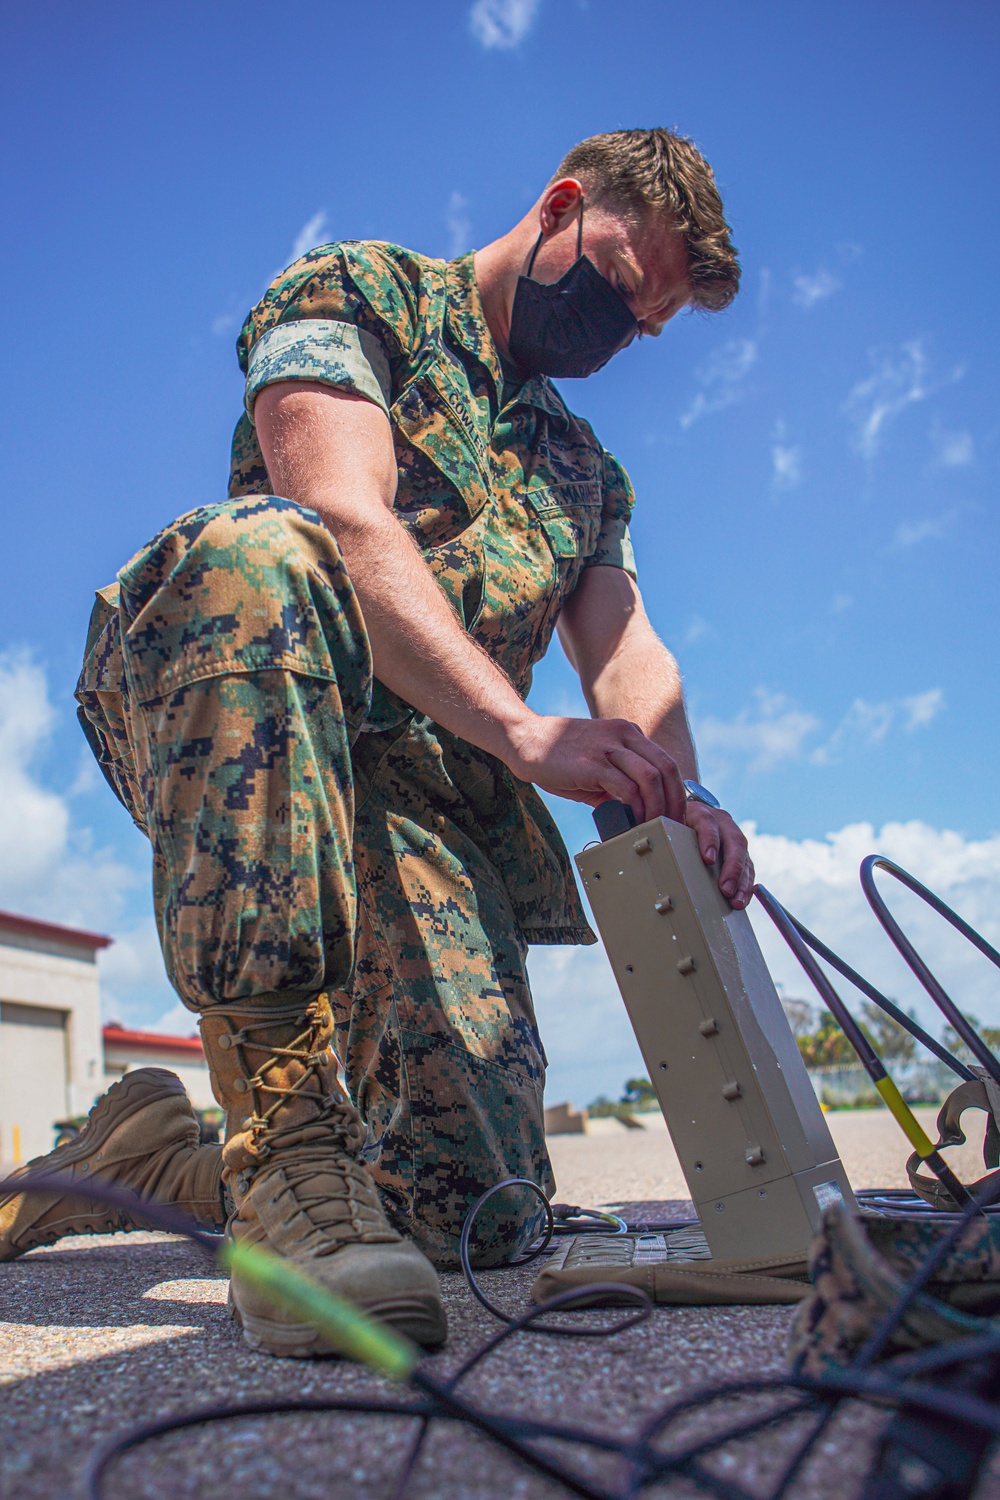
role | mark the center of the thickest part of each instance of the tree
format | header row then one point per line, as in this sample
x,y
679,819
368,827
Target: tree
x,y
638,1091
800,1015
954,1043
826,1046
892,1042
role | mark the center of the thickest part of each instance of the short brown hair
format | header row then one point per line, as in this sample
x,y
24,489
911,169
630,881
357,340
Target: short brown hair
x,y
637,171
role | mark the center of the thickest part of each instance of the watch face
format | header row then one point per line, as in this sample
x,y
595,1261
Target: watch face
x,y
698,793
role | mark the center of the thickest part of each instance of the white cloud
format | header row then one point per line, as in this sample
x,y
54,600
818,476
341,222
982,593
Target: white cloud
x,y
34,823
696,630
922,708
501,24
954,449
816,879
869,723
50,866
841,602
775,731
176,1021
786,461
585,1028
787,464
459,225
225,323
722,377
309,236
808,290
134,984
897,381
772,732
911,533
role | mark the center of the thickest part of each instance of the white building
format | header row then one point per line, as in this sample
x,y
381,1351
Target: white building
x,y
54,1058
51,1057
124,1051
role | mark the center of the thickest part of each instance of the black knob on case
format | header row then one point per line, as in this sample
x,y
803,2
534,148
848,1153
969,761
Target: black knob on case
x,y
613,818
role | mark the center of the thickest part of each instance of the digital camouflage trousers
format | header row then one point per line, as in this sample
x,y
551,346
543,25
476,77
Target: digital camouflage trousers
x,y
224,691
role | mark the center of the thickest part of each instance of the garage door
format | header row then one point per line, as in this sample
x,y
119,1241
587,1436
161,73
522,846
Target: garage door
x,y
33,1078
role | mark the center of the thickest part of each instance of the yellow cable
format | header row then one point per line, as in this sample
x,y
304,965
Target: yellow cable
x,y
906,1119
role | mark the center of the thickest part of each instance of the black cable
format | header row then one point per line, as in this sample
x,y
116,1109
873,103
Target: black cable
x,y
939,1050
529,1321
520,1435
898,937
869,1058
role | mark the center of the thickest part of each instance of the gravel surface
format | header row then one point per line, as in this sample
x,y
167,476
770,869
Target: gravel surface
x,y
103,1333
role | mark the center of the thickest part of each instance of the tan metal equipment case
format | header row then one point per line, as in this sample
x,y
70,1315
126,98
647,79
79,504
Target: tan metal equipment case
x,y
756,1151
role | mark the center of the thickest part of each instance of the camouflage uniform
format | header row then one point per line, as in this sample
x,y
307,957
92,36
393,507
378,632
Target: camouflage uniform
x,y
859,1267
310,831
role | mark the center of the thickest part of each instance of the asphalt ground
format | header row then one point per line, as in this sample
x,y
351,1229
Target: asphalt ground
x,y
102,1333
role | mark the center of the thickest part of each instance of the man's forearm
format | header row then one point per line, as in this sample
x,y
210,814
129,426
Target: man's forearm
x,y
642,683
419,648
336,456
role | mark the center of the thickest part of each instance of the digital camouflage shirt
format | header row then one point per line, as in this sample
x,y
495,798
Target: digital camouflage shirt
x,y
508,495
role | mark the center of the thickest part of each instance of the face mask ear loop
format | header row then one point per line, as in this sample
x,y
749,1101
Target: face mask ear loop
x,y
579,241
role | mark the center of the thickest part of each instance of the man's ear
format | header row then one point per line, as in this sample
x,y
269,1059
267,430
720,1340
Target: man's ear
x,y
560,204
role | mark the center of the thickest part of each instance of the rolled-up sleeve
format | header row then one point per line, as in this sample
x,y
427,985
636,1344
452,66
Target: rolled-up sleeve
x,y
614,545
330,352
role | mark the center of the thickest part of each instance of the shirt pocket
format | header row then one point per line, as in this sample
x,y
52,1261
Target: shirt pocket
x,y
434,415
570,516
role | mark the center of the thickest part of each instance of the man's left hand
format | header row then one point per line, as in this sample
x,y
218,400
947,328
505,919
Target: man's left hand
x,y
721,838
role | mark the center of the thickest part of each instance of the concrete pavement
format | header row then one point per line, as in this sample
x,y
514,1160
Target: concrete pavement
x,y
102,1333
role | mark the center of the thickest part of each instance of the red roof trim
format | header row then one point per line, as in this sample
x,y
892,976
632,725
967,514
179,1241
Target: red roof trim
x,y
151,1041
33,927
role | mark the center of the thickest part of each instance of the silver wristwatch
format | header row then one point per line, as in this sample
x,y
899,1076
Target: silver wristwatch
x,y
697,793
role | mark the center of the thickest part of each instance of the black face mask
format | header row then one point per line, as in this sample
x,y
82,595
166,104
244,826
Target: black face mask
x,y
570,327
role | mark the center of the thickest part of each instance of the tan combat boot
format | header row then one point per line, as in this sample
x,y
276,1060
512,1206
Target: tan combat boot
x,y
291,1165
141,1135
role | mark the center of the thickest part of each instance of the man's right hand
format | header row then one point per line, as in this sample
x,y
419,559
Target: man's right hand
x,y
590,760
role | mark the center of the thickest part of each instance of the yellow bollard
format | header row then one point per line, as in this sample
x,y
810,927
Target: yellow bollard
x,y
17,1145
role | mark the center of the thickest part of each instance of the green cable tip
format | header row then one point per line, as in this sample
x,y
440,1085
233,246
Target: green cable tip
x,y
351,1331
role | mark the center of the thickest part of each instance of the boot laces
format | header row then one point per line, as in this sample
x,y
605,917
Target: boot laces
x,y
333,1114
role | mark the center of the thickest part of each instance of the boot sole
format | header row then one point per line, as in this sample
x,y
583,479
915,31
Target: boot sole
x,y
411,1316
123,1099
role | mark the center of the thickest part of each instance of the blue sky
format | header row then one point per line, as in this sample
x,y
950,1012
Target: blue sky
x,y
815,468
